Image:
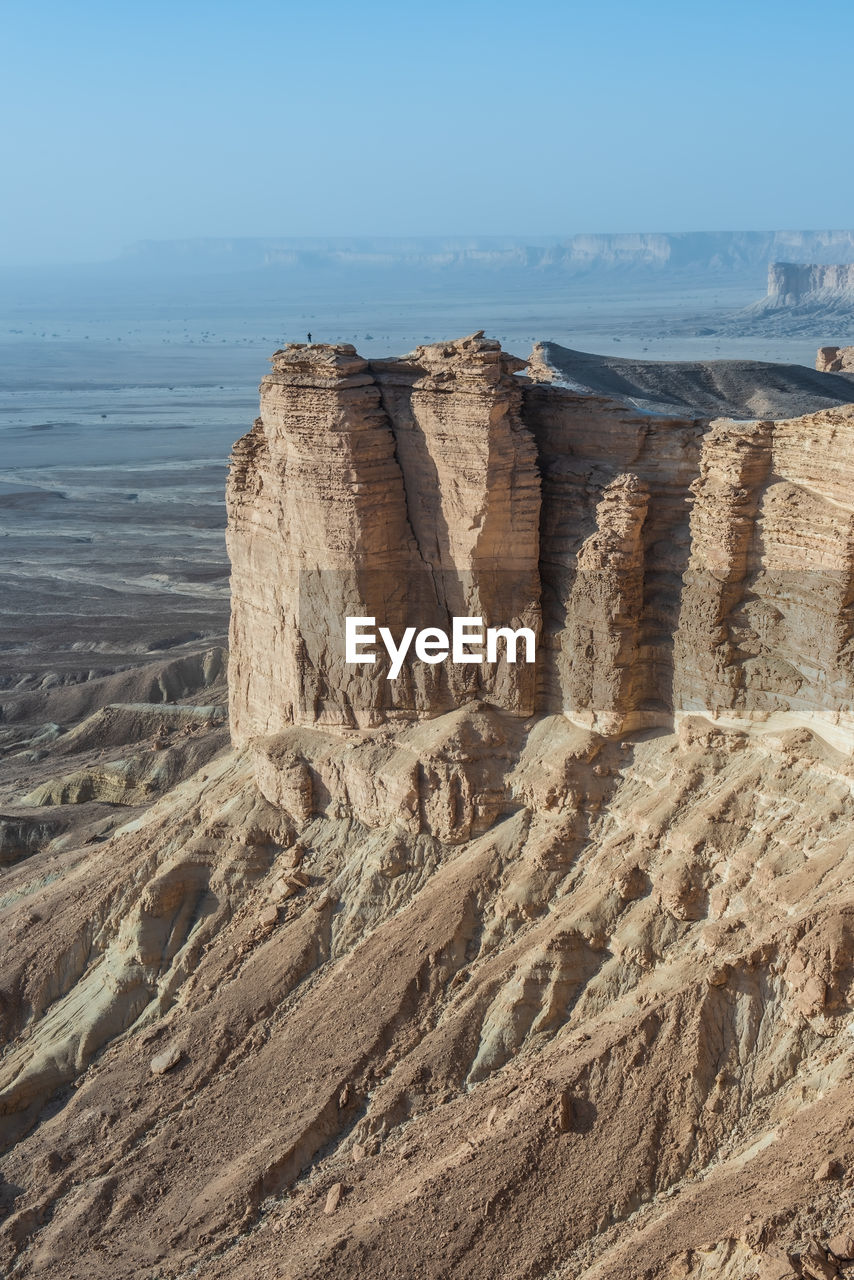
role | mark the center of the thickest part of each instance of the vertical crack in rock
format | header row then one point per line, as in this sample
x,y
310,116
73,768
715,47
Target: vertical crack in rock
x,y
734,466
600,643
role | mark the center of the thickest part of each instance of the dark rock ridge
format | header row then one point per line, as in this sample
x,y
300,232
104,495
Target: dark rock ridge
x,y
693,388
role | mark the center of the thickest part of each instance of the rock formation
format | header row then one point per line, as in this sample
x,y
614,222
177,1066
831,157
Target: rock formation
x,y
835,360
692,388
792,283
720,254
404,490
415,490
802,299
532,972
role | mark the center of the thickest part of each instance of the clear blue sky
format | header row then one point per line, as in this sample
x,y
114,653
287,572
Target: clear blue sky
x,y
157,120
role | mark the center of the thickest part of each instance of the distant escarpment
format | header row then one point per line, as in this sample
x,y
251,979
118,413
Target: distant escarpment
x,y
800,297
716,253
796,283
668,563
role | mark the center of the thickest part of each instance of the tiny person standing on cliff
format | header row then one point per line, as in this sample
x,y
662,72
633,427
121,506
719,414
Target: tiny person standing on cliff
x,y
308,335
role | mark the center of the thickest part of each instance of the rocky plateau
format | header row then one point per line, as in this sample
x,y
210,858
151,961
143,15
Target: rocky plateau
x,y
490,972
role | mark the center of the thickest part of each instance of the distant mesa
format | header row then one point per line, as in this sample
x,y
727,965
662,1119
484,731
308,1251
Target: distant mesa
x,y
793,284
800,297
808,288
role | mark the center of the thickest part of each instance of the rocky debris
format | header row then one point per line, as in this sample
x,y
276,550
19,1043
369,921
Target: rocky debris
x,y
289,884
333,1198
842,1247
283,889
268,918
828,1169
166,1060
816,1265
775,1265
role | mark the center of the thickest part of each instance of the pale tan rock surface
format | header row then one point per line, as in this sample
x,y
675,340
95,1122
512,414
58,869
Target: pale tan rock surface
x,y
408,490
497,981
835,360
675,575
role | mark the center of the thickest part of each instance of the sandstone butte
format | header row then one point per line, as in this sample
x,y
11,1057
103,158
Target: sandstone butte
x,y
835,360
488,972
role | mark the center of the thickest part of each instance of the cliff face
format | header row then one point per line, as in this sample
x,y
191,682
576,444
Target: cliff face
x,y
793,283
407,492
835,360
526,973
668,565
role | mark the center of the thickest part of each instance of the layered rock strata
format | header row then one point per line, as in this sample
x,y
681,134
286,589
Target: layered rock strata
x,y
835,360
483,978
668,565
407,492
791,283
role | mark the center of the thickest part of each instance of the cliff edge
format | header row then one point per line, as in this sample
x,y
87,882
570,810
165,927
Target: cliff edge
x,y
493,969
642,550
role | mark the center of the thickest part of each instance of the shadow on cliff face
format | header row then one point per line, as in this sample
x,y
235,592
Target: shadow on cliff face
x,y
614,547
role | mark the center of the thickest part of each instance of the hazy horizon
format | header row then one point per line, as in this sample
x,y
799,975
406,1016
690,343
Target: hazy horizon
x,y
269,120
709,252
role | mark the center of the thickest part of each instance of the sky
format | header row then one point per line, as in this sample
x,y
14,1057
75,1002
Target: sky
x,y
125,122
